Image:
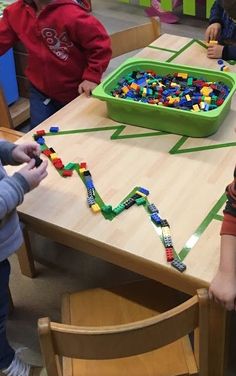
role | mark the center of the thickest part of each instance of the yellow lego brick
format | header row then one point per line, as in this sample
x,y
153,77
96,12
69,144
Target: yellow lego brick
x,y
212,43
144,93
171,100
95,208
81,170
188,97
182,75
207,100
196,107
141,194
54,156
125,89
226,69
206,91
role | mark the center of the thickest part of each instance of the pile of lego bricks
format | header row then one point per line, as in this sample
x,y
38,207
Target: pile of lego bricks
x,y
178,90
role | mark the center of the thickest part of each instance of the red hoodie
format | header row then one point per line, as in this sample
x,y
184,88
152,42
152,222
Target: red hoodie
x,y
65,45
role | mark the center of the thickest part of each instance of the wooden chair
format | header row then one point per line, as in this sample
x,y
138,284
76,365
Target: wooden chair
x,y
121,332
136,37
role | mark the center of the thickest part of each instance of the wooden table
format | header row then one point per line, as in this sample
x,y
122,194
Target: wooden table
x,y
186,185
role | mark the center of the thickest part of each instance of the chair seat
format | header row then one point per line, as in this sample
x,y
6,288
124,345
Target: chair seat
x,y
125,304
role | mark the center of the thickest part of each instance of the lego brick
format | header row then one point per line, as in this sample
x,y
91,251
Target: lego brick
x,y
54,129
144,191
119,209
164,223
169,254
86,173
52,150
47,152
91,200
155,218
70,166
91,192
83,165
66,173
152,208
81,170
53,156
95,208
107,209
180,266
128,203
38,160
41,132
40,141
140,201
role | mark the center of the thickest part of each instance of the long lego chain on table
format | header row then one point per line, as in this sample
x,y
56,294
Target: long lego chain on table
x,y
139,197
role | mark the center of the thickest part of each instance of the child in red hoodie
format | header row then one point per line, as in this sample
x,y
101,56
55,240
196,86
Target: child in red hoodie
x,y
223,286
68,51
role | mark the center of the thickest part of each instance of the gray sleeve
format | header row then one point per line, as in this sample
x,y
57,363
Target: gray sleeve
x,y
12,190
6,152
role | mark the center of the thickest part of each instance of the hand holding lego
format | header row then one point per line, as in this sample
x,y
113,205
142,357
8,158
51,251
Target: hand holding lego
x,y
32,174
215,51
213,31
86,87
24,152
223,289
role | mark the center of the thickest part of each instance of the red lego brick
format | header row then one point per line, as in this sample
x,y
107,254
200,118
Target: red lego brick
x,y
169,254
41,132
47,152
67,173
83,165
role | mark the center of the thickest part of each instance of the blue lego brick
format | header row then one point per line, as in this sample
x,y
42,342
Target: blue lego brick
x,y
40,141
144,191
54,129
155,218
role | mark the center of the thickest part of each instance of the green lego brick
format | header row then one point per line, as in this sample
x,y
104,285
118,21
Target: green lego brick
x,y
70,166
120,208
106,209
140,201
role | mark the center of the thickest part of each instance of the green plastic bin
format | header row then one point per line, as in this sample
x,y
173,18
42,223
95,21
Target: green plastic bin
x,y
167,119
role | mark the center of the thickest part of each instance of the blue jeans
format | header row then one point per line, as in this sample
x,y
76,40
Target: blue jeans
x,y
41,107
6,352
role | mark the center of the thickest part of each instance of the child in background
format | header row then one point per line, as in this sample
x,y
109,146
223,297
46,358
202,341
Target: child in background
x,y
222,28
68,51
223,286
12,191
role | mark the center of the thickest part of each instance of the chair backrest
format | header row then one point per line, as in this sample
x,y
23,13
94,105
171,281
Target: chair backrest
x,y
135,37
127,339
5,117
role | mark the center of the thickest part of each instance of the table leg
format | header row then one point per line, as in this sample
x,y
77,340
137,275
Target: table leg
x,y
218,339
25,257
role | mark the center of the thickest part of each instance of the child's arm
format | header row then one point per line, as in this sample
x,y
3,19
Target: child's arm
x,y
7,36
223,286
90,36
214,28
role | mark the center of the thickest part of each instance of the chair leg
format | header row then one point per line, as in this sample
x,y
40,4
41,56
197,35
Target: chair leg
x,y
25,256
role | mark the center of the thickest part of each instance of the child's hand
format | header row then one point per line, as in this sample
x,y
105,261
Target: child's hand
x,y
24,152
86,87
213,31
223,289
34,175
215,51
